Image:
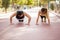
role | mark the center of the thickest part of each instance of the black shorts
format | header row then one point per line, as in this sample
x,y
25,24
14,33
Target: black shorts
x,y
20,20
43,17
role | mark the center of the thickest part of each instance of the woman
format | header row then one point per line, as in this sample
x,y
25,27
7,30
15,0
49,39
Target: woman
x,y
20,16
44,15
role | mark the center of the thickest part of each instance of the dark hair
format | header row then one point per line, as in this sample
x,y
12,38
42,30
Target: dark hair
x,y
19,12
44,10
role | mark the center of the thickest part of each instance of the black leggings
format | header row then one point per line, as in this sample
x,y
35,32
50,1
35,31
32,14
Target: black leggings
x,y
43,18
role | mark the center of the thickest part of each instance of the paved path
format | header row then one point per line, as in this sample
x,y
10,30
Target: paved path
x,y
20,31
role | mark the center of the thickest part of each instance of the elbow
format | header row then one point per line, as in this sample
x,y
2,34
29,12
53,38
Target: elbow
x,y
10,18
30,18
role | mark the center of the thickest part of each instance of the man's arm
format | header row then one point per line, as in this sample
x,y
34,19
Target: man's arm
x,y
12,17
38,18
28,16
48,18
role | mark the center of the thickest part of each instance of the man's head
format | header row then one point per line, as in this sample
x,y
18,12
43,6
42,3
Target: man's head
x,y
44,10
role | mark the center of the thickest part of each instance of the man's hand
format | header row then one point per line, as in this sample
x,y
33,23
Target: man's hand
x,y
37,24
27,24
11,23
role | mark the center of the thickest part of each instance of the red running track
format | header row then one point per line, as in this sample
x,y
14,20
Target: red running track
x,y
20,31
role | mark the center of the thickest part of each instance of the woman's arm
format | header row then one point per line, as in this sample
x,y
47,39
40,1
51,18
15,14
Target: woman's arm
x,y
12,17
28,16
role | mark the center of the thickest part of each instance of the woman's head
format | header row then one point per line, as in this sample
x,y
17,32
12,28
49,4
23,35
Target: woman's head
x,y
44,10
20,13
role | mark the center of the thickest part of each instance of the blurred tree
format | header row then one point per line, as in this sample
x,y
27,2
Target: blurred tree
x,y
45,1
30,2
22,2
52,6
5,4
0,3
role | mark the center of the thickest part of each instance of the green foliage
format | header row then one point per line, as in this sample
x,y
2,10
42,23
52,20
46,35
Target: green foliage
x,y
22,2
25,2
39,4
15,1
52,6
5,3
45,1
0,3
30,2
